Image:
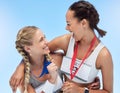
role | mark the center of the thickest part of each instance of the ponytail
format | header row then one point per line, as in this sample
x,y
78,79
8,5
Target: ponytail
x,y
100,31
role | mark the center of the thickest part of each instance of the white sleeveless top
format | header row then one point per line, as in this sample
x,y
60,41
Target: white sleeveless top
x,y
87,72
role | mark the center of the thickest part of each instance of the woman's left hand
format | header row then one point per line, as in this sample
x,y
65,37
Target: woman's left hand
x,y
69,87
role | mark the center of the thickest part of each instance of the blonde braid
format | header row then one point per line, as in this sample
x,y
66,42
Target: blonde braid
x,y
27,73
49,58
24,37
27,67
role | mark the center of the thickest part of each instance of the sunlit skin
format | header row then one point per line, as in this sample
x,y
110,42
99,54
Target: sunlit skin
x,y
82,29
82,33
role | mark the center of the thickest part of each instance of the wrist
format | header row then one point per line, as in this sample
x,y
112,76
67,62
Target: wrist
x,y
52,79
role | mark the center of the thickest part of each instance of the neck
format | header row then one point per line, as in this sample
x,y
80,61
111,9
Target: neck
x,y
87,38
37,62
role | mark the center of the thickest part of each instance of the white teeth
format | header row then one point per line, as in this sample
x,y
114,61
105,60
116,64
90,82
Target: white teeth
x,y
46,48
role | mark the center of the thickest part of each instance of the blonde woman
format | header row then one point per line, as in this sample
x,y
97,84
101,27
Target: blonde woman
x,y
40,68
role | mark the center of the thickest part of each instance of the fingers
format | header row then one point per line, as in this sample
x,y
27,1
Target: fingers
x,y
97,79
42,92
14,83
17,83
14,89
95,84
52,67
21,82
11,82
67,86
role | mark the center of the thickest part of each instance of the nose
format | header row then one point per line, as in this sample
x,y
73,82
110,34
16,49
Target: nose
x,y
45,41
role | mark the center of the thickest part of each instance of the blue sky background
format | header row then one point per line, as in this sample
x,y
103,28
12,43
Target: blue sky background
x,y
50,17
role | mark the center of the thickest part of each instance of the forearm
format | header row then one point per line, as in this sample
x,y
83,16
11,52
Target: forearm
x,y
17,77
21,65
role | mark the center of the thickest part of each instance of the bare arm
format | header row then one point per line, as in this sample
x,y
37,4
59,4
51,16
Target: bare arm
x,y
57,58
17,77
104,62
60,42
106,66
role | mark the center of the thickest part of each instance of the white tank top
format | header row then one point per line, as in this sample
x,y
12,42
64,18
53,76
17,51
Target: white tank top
x,y
87,72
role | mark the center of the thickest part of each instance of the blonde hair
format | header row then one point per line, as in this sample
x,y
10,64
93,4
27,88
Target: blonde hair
x,y
24,37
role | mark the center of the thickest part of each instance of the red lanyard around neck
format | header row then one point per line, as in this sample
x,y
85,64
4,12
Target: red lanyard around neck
x,y
73,72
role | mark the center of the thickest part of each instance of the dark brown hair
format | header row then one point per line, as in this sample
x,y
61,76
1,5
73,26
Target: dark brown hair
x,y
84,10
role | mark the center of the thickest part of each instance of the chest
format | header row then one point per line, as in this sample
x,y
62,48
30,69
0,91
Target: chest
x,y
36,75
83,52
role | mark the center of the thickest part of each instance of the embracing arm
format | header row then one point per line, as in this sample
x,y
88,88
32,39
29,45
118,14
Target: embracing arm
x,y
60,42
17,77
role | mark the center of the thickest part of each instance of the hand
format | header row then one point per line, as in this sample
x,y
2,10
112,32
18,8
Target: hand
x,y
17,78
42,92
69,87
52,68
96,84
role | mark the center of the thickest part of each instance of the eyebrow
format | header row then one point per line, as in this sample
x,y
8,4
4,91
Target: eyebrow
x,y
41,37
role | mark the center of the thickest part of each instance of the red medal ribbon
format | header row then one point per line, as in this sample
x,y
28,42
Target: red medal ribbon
x,y
73,72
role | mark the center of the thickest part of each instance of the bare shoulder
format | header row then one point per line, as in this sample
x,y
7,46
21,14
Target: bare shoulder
x,y
60,42
104,58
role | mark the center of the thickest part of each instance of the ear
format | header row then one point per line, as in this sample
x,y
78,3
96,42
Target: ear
x,y
84,22
27,49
